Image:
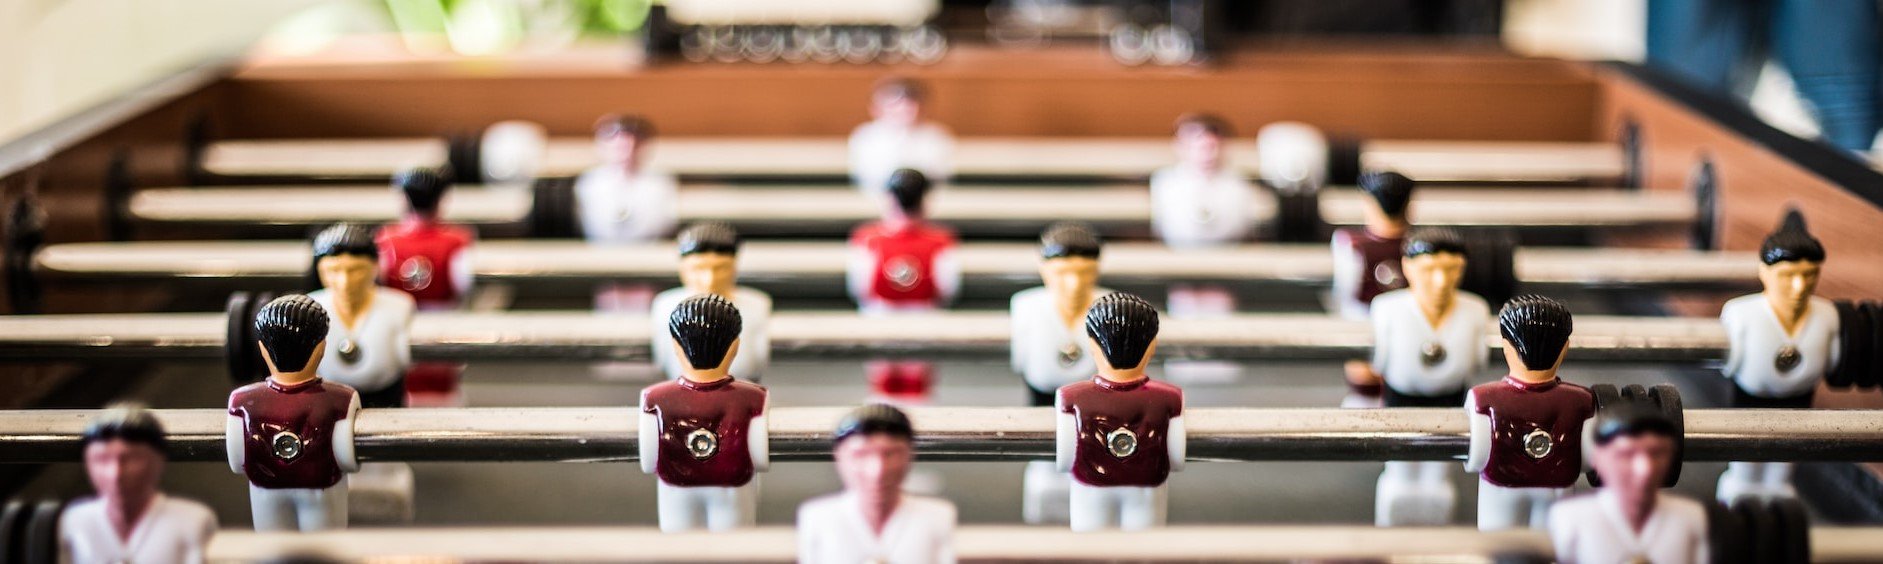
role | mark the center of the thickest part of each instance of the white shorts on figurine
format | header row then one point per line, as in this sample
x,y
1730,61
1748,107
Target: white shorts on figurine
x,y
707,508
1501,508
1117,507
1415,494
299,509
1046,494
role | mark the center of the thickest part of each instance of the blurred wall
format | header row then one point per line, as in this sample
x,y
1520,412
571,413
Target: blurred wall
x,y
59,57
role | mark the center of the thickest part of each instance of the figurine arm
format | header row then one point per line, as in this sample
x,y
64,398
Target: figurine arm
x,y
758,438
1017,330
862,266
942,154
757,348
1177,444
1065,434
233,430
664,207
343,450
1735,341
648,447
948,275
1588,441
945,553
463,273
1345,276
1837,344
402,342
1480,451
1382,342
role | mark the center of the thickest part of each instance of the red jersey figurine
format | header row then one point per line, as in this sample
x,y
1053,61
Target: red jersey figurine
x,y
428,259
1526,430
704,434
903,264
1120,434
292,434
1366,259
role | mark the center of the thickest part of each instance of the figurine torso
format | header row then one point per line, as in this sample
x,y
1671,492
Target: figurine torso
x,y
1592,528
1767,362
616,208
904,261
171,530
1191,209
878,149
288,432
832,529
703,430
1419,360
755,309
1373,262
1046,352
379,342
1536,431
1122,430
419,257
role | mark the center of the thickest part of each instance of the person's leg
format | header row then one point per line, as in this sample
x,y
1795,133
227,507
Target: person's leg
x,y
1395,486
677,508
1141,508
1713,44
1044,493
1830,47
1540,501
1089,508
1740,479
1778,480
1499,508
272,510
323,509
726,507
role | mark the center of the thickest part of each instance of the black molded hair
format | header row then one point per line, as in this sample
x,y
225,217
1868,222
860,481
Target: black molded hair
x,y
1392,190
901,87
909,187
1434,240
423,187
1123,326
1069,239
1209,123
1791,242
128,422
345,239
624,124
1632,420
1539,327
705,326
874,419
289,328
709,237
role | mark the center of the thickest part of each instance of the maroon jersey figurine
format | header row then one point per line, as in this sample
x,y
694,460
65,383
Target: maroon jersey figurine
x,y
430,260
703,435
1366,259
1120,434
1526,430
292,433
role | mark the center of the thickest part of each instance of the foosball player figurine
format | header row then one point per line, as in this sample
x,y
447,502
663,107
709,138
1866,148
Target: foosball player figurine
x,y
623,200
1202,201
1049,346
1629,519
370,326
1366,258
709,256
292,434
903,264
704,435
131,520
1780,342
1527,429
430,260
897,137
1120,434
873,520
1428,341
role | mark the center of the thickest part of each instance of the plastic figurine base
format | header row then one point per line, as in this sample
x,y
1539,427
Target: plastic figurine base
x,y
1629,519
709,254
1119,434
704,435
1202,201
131,520
896,137
873,520
1527,429
1366,259
292,434
622,200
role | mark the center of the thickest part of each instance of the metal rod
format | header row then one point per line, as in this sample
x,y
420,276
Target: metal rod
x,y
820,266
593,434
972,543
589,335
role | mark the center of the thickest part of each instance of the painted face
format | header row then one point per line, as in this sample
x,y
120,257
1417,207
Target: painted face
x,y
873,466
1199,147
619,149
709,273
349,277
1789,283
899,110
1633,463
122,469
1433,277
1069,277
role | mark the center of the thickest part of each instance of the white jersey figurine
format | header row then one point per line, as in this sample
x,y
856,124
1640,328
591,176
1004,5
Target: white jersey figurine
x,y
1781,341
1049,347
896,138
124,451
623,200
369,326
1629,519
1202,201
709,254
874,519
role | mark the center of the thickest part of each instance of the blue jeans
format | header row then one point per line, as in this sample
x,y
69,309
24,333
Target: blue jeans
x,y
1830,47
